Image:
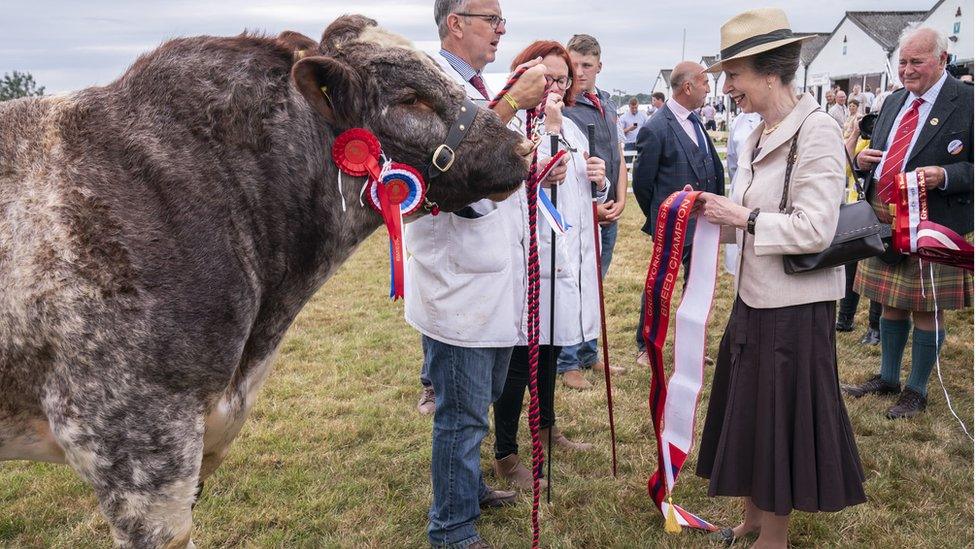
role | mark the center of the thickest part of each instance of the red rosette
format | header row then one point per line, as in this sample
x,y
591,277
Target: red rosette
x,y
356,152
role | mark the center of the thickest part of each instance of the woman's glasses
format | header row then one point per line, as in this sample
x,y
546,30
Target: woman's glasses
x,y
563,82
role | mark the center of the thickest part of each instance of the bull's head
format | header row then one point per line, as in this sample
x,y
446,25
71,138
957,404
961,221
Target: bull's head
x,y
363,76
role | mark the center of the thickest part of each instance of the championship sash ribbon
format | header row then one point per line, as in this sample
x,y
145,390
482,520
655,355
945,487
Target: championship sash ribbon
x,y
914,234
674,417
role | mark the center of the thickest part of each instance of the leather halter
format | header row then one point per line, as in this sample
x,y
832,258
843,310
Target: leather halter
x,y
444,155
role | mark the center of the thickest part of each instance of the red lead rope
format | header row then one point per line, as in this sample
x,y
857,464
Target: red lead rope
x,y
508,86
532,314
532,321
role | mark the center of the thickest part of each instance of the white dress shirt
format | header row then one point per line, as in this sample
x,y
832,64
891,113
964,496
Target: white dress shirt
x,y
924,109
682,114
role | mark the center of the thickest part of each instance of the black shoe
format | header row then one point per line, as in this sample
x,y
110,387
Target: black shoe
x,y
873,386
910,404
723,535
871,337
497,498
844,324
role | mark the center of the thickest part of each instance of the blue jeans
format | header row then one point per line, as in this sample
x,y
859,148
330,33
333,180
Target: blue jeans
x,y
466,381
424,376
584,355
608,239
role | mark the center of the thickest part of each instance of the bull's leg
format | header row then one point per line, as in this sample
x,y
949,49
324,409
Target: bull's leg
x,y
225,420
144,464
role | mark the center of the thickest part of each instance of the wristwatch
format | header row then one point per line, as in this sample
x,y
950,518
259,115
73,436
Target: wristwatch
x,y
751,222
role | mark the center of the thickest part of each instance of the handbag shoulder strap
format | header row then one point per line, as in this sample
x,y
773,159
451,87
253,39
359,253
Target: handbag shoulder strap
x,y
858,184
790,162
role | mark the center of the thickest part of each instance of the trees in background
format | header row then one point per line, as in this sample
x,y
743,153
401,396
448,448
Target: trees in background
x,y
19,84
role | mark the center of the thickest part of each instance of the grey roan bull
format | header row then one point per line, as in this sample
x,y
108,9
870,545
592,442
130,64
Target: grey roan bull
x,y
158,236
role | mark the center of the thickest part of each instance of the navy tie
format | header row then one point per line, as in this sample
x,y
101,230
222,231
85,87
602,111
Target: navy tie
x,y
699,130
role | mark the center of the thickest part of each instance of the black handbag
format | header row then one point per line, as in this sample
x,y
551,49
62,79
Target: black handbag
x,y
859,232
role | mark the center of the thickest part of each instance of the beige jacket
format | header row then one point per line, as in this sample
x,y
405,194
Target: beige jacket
x,y
815,196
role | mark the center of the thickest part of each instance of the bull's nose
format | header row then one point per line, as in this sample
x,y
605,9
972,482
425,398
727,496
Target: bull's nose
x,y
524,148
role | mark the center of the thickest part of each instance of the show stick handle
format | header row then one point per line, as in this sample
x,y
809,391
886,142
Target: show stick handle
x,y
591,139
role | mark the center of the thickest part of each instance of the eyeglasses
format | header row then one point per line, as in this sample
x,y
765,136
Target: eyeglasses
x,y
563,82
493,20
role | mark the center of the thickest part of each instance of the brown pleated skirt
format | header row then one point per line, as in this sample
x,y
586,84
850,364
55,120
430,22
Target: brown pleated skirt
x,y
776,429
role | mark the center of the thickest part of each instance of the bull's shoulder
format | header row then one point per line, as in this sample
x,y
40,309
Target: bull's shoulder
x,y
29,131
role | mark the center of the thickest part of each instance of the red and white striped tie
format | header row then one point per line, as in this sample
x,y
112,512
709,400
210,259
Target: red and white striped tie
x,y
895,160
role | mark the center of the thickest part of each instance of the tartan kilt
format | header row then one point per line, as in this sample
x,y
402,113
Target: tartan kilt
x,y
901,286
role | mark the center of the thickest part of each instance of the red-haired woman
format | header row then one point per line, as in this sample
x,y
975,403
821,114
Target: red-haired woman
x,y
577,301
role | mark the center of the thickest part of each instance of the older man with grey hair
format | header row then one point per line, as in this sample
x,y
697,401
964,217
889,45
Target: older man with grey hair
x,y
468,309
927,127
839,110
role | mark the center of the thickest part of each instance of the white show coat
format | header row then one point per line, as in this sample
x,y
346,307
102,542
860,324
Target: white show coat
x,y
577,290
466,278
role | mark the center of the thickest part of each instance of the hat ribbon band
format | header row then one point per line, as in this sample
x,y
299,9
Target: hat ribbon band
x,y
753,41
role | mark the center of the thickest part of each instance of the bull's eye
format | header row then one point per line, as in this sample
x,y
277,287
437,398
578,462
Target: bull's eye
x,y
415,102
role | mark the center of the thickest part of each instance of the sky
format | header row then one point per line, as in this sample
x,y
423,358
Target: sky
x,y
69,45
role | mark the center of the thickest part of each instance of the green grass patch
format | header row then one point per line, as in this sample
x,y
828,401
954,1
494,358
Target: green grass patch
x,y
335,454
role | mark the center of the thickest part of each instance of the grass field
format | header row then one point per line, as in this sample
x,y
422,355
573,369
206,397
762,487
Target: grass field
x,y
335,454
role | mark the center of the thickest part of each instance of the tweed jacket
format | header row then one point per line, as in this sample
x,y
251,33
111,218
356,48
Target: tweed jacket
x,y
666,162
815,195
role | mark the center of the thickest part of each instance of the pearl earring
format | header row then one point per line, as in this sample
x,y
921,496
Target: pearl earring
x,y
769,85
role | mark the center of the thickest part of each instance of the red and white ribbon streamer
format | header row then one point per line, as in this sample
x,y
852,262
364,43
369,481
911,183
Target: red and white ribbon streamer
x,y
914,234
674,402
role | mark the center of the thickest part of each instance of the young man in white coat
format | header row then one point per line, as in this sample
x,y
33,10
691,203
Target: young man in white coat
x,y
465,291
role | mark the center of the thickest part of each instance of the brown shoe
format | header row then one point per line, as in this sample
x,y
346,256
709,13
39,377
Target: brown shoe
x,y
574,380
497,498
910,404
559,440
615,370
643,359
873,386
511,470
426,404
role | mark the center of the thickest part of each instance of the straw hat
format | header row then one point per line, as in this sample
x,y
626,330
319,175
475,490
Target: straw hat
x,y
752,32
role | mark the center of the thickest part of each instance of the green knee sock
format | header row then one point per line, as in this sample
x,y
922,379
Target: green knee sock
x,y
894,337
925,351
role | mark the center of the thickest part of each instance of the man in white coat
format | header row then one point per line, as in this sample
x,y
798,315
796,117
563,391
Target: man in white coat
x,y
465,290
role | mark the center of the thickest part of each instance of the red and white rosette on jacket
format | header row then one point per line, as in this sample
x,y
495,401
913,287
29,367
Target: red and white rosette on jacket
x,y
674,402
914,234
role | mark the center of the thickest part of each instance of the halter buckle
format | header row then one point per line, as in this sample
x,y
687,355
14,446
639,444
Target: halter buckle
x,y
437,153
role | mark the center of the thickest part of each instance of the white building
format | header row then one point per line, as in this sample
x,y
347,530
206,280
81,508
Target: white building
x,y
663,83
809,49
861,51
954,18
716,79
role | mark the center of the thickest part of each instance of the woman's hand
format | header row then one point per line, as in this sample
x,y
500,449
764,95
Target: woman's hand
x,y
596,169
554,112
557,174
722,211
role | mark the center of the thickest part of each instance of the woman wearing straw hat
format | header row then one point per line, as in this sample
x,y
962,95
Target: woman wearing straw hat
x,y
777,433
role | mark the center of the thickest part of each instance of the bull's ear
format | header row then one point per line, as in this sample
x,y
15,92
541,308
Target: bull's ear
x,y
331,87
297,41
